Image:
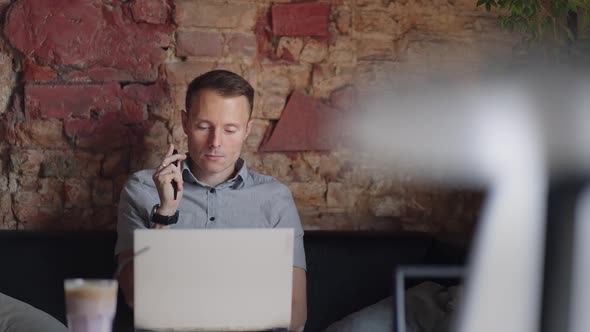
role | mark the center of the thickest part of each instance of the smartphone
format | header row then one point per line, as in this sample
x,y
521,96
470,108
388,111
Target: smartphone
x,y
174,184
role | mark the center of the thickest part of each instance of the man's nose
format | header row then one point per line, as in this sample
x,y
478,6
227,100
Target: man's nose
x,y
215,138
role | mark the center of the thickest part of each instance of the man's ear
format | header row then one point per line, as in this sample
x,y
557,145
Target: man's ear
x,y
249,127
185,125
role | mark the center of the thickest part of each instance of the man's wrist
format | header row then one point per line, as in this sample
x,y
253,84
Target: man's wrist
x,y
158,217
164,211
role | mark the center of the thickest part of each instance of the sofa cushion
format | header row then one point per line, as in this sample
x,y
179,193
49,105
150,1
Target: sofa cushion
x,y
349,271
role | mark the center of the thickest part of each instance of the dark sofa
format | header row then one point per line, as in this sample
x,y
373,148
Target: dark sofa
x,y
346,271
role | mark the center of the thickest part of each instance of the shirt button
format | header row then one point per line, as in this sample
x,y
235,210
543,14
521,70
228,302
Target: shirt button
x,y
212,218
212,190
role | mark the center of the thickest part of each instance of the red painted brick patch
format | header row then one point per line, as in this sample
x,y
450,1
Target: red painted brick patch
x,y
300,19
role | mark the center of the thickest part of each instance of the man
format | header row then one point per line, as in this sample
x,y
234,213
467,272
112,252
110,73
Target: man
x,y
215,189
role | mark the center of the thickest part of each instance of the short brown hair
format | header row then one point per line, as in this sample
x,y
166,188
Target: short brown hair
x,y
223,82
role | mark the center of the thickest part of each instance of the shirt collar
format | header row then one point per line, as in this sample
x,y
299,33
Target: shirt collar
x,y
241,174
236,182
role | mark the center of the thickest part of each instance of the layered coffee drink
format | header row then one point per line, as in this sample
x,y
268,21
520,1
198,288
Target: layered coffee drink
x,y
90,304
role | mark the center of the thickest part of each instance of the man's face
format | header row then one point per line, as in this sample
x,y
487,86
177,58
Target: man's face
x,y
216,127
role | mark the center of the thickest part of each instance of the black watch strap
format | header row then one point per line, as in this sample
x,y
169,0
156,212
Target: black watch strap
x,y
163,220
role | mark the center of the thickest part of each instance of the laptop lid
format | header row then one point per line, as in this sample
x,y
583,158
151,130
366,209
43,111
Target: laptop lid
x,y
213,279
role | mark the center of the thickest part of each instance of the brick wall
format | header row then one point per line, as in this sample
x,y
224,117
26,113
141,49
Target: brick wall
x,y
90,91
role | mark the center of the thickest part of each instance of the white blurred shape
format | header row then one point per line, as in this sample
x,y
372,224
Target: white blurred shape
x,y
505,277
566,103
581,130
487,135
580,294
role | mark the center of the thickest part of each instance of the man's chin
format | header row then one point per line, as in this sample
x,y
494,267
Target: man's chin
x,y
213,166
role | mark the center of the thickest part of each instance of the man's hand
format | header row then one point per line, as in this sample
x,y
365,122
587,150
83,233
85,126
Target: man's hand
x,y
163,177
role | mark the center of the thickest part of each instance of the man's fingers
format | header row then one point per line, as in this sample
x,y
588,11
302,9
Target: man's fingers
x,y
166,178
167,175
179,184
175,157
169,169
163,170
178,179
170,150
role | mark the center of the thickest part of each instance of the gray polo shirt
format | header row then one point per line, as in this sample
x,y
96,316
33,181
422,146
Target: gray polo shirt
x,y
248,200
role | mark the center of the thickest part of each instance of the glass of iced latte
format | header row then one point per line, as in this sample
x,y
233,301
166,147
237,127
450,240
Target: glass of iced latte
x,y
90,304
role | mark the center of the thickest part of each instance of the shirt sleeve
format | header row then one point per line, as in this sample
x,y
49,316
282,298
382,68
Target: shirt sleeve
x,y
133,212
287,216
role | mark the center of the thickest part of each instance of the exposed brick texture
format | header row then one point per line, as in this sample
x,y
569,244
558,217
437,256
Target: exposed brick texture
x,y
6,81
150,11
40,134
216,14
79,127
36,73
67,101
181,73
306,124
300,19
242,45
199,43
81,35
91,91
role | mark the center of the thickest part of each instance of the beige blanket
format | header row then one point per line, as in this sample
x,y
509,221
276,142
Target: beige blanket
x,y
429,308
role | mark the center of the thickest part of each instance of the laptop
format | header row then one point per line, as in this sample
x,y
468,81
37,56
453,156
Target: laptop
x,y
406,275
213,279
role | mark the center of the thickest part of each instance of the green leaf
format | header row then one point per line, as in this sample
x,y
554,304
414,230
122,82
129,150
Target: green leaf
x,y
510,26
537,18
546,23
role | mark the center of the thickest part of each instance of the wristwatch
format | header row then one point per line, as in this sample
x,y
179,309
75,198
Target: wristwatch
x,y
163,220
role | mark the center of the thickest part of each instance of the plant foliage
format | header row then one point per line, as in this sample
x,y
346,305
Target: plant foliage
x,y
542,20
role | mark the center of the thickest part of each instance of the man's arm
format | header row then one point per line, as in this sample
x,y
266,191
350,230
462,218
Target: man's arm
x,y
125,277
131,214
284,211
299,300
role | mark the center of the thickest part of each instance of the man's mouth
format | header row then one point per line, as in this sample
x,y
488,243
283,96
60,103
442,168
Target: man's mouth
x,y
213,155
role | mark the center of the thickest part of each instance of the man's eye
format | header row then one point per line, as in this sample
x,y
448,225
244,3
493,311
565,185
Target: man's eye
x,y
230,131
203,128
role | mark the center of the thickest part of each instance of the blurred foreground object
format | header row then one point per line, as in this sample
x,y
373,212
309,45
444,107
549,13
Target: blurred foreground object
x,y
516,136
